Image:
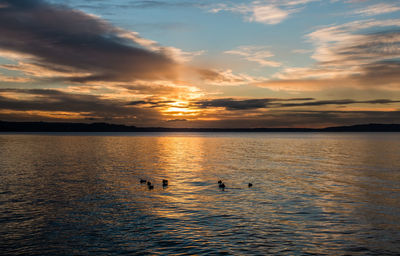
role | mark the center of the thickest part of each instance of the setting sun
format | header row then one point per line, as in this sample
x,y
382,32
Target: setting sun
x,y
180,108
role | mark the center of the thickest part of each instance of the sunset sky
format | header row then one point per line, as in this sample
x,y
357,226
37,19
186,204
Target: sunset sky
x,y
209,63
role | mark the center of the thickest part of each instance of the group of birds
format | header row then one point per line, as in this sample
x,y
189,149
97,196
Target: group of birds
x,y
150,186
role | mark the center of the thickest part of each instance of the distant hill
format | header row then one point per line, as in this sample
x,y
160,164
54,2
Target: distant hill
x,y
365,128
62,127
104,127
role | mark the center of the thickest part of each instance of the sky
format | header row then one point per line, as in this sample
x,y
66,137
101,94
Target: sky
x,y
184,63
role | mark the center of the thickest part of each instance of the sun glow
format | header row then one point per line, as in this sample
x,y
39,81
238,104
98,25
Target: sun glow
x,y
180,108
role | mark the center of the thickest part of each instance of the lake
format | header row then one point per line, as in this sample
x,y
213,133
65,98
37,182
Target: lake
x,y
312,194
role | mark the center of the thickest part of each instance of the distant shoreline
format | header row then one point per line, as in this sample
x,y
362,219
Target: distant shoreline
x,y
105,127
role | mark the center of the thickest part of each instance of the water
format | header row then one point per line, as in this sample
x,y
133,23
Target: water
x,y
319,194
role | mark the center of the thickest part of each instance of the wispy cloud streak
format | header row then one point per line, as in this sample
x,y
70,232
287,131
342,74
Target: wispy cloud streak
x,y
267,12
378,9
258,54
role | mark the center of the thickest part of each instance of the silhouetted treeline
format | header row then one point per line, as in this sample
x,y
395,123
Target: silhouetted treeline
x,y
104,127
365,128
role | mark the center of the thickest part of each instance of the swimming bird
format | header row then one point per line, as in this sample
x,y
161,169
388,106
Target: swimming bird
x,y
165,183
150,187
220,182
142,181
221,185
250,185
148,183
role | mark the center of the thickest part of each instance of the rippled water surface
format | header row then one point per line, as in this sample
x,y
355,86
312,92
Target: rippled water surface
x,y
320,193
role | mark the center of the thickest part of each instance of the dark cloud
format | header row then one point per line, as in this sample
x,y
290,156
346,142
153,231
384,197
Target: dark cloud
x,y
176,120
152,103
138,102
63,38
307,119
339,102
53,100
330,118
380,74
88,106
234,104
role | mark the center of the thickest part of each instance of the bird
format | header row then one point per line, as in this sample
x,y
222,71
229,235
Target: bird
x,y
148,183
221,185
150,187
142,181
165,183
250,185
220,182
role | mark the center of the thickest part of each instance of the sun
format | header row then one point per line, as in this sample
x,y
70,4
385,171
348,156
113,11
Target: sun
x,y
180,108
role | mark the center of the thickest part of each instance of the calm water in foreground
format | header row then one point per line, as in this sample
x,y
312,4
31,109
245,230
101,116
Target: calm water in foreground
x,y
319,193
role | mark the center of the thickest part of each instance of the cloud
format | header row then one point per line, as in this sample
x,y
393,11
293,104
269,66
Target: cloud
x,y
177,120
246,104
160,89
41,71
54,100
227,77
295,118
233,104
255,12
300,85
13,79
360,54
266,12
384,75
48,103
378,9
243,104
151,102
57,37
339,102
136,91
259,54
343,45
316,72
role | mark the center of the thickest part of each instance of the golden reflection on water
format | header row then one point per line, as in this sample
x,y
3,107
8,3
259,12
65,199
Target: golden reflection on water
x,y
181,159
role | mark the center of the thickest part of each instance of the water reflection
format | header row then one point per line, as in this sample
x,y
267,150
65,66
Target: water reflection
x,y
312,194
